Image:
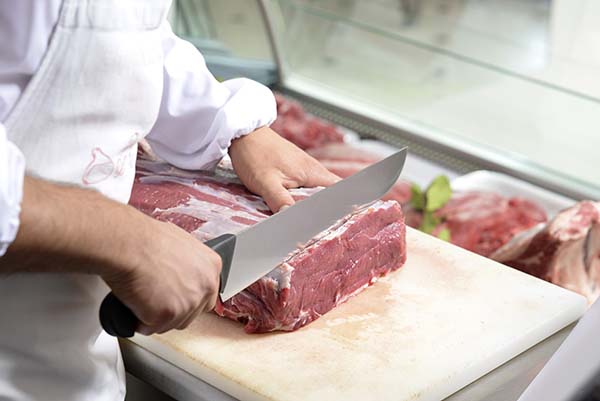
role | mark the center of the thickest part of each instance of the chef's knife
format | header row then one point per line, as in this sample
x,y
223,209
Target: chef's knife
x,y
255,251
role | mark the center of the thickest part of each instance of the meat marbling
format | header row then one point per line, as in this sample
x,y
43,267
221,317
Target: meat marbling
x,y
333,266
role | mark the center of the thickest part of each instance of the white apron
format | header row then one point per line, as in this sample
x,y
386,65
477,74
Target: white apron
x,y
96,93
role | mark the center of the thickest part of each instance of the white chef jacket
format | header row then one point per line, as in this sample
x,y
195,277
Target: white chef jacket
x,y
198,118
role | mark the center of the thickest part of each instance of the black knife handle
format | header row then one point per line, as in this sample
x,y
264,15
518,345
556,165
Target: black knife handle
x,y
119,321
224,245
116,318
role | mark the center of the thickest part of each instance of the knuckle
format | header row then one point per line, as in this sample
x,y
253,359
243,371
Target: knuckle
x,y
216,279
216,262
167,314
256,179
150,320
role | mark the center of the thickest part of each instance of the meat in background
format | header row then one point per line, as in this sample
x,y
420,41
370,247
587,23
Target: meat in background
x,y
484,221
345,159
301,128
566,251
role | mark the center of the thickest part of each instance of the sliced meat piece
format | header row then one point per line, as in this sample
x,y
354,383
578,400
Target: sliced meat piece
x,y
565,251
334,266
329,269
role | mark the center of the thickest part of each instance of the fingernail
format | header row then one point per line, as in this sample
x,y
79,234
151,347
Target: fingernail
x,y
283,208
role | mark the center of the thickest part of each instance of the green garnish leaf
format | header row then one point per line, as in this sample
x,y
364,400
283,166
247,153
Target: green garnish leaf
x,y
438,193
417,199
444,235
429,222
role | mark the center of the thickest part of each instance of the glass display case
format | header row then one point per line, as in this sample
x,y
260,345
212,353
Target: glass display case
x,y
232,35
509,85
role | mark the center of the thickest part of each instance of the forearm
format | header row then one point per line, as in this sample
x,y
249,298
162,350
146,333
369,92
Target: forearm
x,y
69,229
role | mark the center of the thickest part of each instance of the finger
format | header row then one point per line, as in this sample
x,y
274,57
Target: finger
x,y
145,330
183,325
157,329
185,321
211,300
145,325
204,305
166,327
275,194
320,177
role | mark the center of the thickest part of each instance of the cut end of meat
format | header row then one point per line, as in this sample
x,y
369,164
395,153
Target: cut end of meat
x,y
335,265
566,251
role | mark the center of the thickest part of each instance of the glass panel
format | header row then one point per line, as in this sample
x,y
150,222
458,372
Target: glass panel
x,y
513,81
230,34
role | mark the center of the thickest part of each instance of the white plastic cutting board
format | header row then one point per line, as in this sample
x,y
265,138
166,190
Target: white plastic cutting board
x,y
447,318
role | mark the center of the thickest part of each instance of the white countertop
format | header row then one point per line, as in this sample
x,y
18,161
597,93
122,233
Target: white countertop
x,y
154,377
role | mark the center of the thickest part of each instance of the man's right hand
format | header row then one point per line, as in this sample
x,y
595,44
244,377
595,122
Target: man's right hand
x,y
169,280
162,273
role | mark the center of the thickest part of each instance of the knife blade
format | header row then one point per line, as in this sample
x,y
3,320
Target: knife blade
x,y
255,251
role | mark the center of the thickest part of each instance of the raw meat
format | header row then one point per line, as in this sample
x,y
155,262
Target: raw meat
x,y
335,265
203,203
344,152
565,251
483,221
346,159
332,267
302,129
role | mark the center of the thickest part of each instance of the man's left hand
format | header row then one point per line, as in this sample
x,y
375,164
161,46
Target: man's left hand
x,y
269,165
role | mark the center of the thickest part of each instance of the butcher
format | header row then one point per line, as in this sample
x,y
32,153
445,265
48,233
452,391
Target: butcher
x,y
81,83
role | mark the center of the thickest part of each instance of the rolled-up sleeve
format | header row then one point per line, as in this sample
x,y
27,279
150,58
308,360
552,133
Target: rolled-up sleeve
x,y
199,116
12,171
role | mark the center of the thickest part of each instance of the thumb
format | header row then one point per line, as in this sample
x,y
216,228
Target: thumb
x,y
276,195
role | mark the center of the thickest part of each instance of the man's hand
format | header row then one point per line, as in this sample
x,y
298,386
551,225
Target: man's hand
x,y
169,280
269,165
163,274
